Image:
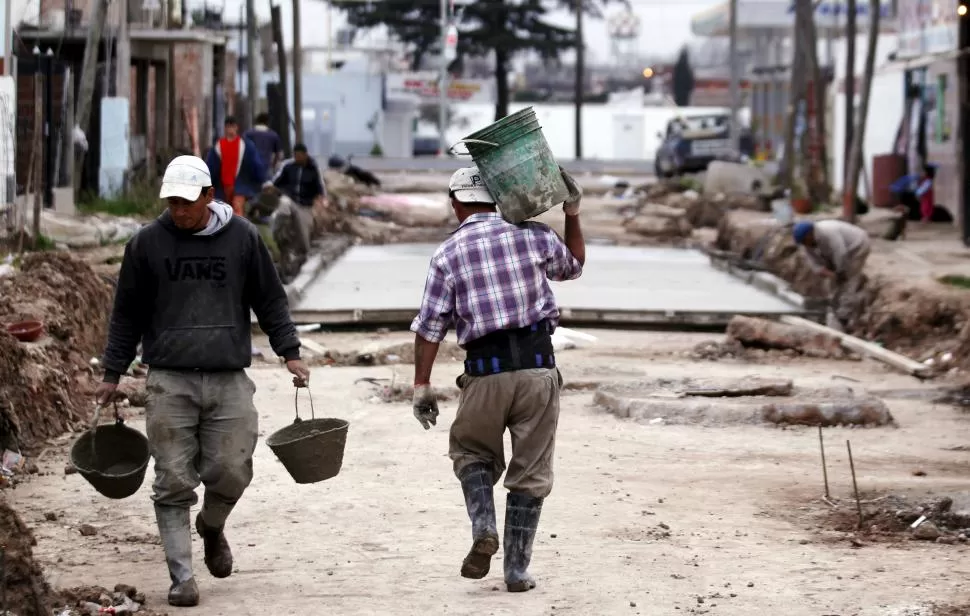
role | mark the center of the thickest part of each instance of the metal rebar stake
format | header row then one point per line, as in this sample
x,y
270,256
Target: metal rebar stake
x,y
855,486
825,472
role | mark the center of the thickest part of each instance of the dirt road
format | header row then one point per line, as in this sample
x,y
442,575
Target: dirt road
x,y
644,519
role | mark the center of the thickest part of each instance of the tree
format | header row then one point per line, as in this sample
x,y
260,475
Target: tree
x,y
683,79
502,27
855,161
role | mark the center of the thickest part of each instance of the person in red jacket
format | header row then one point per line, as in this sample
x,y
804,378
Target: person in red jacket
x,y
236,168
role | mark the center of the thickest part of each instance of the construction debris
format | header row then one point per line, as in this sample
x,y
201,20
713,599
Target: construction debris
x,y
738,401
759,333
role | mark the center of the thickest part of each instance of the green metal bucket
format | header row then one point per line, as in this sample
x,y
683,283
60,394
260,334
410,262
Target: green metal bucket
x,y
517,166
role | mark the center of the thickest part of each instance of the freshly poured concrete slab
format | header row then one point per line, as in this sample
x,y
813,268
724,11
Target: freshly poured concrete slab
x,y
383,284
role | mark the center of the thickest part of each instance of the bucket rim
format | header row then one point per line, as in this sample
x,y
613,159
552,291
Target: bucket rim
x,y
85,470
273,441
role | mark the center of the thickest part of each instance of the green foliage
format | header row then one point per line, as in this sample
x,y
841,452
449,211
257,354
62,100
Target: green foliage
x,y
377,150
140,200
956,280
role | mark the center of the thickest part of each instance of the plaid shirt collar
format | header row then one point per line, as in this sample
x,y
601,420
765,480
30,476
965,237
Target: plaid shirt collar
x,y
476,218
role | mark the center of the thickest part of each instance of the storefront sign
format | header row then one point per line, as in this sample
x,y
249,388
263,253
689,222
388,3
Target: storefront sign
x,y
927,27
425,86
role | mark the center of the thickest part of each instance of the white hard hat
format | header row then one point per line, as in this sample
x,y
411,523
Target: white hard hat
x,y
185,177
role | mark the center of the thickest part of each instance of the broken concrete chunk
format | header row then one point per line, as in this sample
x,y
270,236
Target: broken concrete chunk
x,y
855,412
754,332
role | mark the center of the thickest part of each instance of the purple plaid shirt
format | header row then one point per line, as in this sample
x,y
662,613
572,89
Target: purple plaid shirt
x,y
492,275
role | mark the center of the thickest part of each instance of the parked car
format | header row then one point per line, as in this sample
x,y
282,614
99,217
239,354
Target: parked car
x,y
690,143
426,146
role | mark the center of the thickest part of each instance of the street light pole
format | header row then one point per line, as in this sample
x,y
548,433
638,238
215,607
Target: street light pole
x,y
735,77
442,82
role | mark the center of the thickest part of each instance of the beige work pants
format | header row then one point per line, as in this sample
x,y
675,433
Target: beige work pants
x,y
524,401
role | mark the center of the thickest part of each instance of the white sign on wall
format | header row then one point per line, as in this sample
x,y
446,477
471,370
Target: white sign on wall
x,y
8,140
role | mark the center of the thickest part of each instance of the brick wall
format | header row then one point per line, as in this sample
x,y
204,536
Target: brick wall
x,y
25,120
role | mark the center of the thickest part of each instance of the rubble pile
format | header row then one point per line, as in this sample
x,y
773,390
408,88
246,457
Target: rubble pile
x,y
44,382
95,600
920,318
357,210
672,209
893,517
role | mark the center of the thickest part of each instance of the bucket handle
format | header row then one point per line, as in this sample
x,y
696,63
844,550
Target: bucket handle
x,y
97,415
464,141
296,404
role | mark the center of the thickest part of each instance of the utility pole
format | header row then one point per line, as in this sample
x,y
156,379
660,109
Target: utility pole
x,y
276,19
850,38
580,78
6,40
47,67
297,74
123,75
443,83
89,69
36,164
252,75
735,77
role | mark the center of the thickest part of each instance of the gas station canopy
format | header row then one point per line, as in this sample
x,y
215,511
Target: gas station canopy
x,y
764,16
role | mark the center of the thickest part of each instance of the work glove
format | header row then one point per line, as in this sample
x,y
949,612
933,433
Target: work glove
x,y
571,204
425,405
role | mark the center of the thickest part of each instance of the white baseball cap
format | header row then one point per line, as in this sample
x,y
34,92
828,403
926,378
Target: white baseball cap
x,y
185,177
468,186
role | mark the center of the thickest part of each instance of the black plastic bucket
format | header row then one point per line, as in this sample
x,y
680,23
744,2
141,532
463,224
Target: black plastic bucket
x,y
112,458
311,450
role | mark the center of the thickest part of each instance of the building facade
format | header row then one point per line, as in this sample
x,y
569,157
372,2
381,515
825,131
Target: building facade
x,y
931,37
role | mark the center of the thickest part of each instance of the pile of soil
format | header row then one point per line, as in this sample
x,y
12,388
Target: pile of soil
x,y
919,318
27,592
890,517
45,382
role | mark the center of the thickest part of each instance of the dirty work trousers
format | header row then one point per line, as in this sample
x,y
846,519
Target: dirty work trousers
x,y
202,428
847,293
303,214
524,401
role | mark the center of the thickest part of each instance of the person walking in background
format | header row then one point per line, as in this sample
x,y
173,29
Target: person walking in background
x,y
301,182
187,284
268,142
236,168
837,250
490,280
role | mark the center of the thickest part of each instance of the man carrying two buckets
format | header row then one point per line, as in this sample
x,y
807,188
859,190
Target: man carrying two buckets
x,y
187,284
490,280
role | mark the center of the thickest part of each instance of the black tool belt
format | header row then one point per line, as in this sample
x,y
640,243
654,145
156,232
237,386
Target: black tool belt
x,y
509,350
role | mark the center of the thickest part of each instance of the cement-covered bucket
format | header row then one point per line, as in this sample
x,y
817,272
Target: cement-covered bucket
x,y
517,166
113,458
311,450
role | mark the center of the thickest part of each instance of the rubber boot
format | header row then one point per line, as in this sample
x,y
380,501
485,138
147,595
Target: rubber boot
x,y
476,483
521,521
218,556
176,535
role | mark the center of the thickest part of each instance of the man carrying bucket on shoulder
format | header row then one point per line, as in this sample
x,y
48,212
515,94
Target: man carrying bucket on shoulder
x,y
490,280
188,282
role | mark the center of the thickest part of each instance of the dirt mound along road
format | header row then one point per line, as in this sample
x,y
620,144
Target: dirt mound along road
x,y
44,382
914,316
